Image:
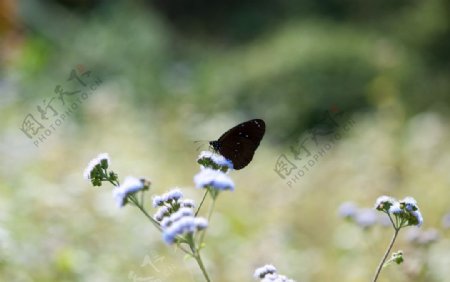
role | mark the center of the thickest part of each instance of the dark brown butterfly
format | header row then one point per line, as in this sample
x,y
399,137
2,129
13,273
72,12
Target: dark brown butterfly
x,y
240,142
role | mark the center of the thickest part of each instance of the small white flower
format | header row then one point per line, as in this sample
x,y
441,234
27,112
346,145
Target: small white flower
x,y
418,217
270,277
410,203
201,223
215,158
187,203
94,162
166,222
161,213
261,272
216,179
187,224
383,202
366,217
174,194
129,186
157,201
347,210
182,212
395,208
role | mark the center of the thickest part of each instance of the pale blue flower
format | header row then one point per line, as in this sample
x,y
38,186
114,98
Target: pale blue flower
x,y
418,216
213,178
366,217
270,277
417,236
347,210
395,208
410,203
384,203
157,201
282,278
201,223
186,224
130,186
217,159
174,194
268,273
166,222
262,271
101,161
161,213
187,203
182,212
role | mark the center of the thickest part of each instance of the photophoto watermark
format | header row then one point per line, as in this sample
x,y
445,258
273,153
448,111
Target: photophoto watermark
x,y
53,111
153,268
310,149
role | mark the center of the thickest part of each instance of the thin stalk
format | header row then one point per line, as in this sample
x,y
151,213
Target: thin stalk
x,y
202,236
201,203
198,258
196,255
380,266
136,203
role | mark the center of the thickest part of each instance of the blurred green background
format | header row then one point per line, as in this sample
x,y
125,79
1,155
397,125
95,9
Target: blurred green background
x,y
162,74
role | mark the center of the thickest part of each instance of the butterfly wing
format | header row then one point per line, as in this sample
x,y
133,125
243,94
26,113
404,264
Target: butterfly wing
x,y
240,142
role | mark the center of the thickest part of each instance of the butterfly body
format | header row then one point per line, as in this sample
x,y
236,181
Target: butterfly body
x,y
240,142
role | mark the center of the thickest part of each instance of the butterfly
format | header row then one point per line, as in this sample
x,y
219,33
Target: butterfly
x,y
240,142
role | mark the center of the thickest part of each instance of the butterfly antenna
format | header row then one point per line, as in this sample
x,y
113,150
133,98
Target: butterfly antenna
x,y
201,145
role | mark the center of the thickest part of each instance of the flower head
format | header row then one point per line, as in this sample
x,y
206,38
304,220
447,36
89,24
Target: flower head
x,y
416,218
157,201
395,208
417,236
185,224
187,203
170,197
261,272
348,210
410,203
214,161
161,213
130,186
212,178
268,273
173,195
96,165
406,211
384,203
366,218
176,216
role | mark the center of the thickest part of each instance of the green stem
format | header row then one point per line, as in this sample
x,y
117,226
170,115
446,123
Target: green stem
x,y
196,255
198,259
211,208
137,204
380,266
202,267
201,203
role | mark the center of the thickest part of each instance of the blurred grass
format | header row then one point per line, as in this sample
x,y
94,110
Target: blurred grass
x,y
165,86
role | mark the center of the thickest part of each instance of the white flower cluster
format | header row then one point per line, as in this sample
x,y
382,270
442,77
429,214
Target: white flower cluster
x,y
129,186
268,273
216,160
176,215
406,210
95,163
